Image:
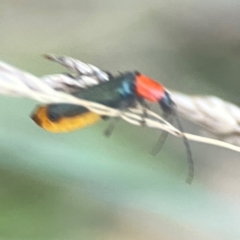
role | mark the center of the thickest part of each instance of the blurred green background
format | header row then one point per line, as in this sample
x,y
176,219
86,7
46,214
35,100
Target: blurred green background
x,y
81,185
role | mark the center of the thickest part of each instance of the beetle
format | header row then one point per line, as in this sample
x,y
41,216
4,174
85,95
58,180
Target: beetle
x,y
120,92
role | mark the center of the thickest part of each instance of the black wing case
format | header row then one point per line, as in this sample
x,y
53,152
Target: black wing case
x,y
106,93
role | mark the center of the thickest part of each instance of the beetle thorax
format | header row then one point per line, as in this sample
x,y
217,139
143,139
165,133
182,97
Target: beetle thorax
x,y
149,89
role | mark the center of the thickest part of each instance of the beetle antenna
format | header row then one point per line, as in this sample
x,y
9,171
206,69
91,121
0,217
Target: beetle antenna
x,y
189,152
162,138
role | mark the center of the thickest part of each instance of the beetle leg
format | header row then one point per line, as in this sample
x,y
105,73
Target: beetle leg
x,y
162,138
108,131
145,107
123,105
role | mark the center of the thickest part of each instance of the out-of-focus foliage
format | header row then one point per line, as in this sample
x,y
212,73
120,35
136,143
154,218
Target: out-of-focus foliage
x,y
82,185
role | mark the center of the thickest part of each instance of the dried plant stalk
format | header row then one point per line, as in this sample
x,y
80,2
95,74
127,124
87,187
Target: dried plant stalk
x,y
220,118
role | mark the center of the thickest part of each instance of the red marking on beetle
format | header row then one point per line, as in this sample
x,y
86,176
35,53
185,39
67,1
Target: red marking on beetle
x,y
149,89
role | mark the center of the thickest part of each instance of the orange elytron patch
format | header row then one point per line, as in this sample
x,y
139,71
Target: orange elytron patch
x,y
65,124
